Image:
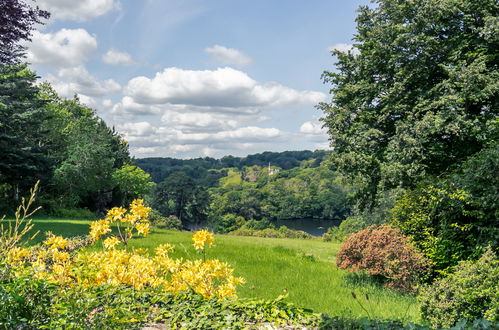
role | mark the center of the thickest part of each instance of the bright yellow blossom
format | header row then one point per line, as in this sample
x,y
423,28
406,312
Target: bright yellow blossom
x,y
202,238
143,228
99,228
111,242
55,242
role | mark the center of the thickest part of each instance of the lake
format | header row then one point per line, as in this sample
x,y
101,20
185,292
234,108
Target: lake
x,y
315,227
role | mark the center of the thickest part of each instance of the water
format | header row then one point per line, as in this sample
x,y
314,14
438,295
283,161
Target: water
x,y
314,227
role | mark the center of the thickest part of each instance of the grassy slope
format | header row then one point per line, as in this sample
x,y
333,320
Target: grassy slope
x,y
302,268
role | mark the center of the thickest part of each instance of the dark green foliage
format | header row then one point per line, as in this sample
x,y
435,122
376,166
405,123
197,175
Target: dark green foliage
x,y
160,221
205,171
24,302
455,217
226,223
179,195
471,292
418,95
17,19
23,155
267,230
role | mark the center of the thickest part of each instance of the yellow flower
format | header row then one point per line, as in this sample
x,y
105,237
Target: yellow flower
x,y
55,242
202,238
163,250
111,242
115,213
143,228
17,254
60,256
138,209
99,228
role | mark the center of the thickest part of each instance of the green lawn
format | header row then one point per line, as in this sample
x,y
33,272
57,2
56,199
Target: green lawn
x,y
304,269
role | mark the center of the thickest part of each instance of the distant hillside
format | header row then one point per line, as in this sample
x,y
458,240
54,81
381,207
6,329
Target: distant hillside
x,y
207,171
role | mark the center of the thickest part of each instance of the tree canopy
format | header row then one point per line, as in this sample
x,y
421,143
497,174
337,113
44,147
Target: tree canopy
x,y
417,94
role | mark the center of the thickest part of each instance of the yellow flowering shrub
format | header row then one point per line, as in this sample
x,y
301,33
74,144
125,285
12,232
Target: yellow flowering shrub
x,y
56,261
127,223
202,238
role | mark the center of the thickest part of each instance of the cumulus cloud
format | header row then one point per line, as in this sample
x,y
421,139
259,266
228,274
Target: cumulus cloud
x,y
223,87
64,48
78,80
310,127
228,56
80,10
116,57
344,48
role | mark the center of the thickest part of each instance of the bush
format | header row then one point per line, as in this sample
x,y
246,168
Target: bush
x,y
471,292
383,251
228,222
73,213
171,222
282,232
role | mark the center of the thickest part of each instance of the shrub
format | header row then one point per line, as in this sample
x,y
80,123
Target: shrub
x,y
228,222
282,232
471,292
171,222
384,251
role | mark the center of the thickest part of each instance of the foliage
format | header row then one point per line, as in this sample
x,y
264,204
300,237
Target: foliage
x,y
471,292
416,95
282,232
159,221
12,232
179,195
132,182
384,251
227,223
455,217
23,160
207,171
17,19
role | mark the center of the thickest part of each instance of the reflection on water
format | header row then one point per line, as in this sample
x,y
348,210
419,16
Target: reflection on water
x,y
314,227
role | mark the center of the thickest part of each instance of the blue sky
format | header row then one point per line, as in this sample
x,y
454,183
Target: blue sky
x,y
191,78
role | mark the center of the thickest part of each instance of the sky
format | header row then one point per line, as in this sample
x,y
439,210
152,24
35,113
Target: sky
x,y
192,78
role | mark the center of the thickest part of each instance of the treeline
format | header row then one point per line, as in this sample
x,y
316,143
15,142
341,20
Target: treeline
x,y
253,196
82,163
202,169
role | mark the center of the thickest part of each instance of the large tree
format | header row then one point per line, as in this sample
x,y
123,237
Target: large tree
x,y
17,20
417,94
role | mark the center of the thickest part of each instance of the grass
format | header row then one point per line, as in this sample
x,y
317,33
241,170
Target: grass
x,y
303,269
233,178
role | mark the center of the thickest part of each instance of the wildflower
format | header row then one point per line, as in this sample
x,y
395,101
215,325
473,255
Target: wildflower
x,y
60,256
202,238
143,228
116,213
163,250
99,228
111,242
55,242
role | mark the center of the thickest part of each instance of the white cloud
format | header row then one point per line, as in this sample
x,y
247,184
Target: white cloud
x,y
312,128
77,10
224,87
142,128
228,56
64,48
116,57
78,80
344,48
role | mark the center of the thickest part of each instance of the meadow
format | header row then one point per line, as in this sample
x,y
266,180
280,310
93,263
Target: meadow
x,y
304,270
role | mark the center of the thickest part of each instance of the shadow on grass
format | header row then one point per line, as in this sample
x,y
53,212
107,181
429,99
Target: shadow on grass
x,y
362,279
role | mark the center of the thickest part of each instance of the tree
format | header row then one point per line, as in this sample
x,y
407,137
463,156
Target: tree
x,y
16,23
132,183
417,94
179,195
22,160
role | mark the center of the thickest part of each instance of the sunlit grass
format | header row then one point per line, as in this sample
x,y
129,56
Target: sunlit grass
x,y
302,269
